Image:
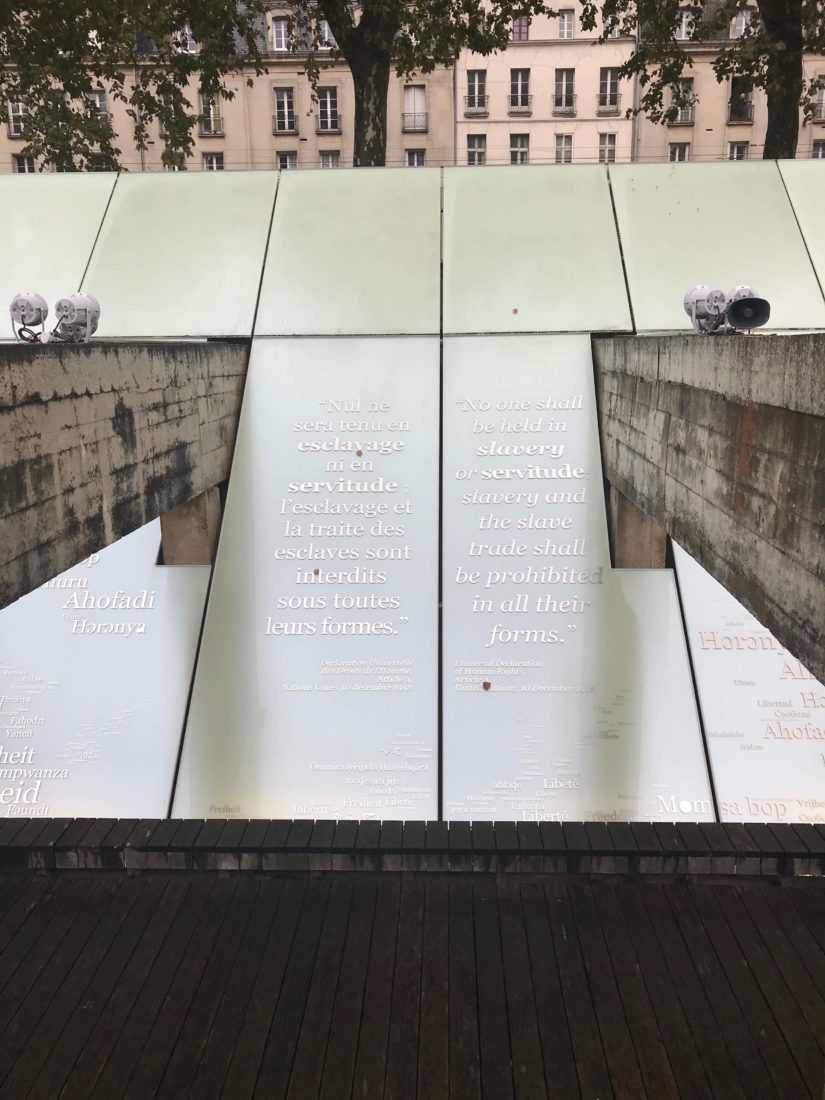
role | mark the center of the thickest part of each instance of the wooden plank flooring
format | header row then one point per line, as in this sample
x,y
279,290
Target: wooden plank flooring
x,y
199,986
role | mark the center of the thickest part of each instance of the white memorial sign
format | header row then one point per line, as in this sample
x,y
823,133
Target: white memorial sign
x,y
316,688
95,668
764,713
566,688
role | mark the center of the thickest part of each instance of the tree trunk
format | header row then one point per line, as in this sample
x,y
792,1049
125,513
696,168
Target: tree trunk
x,y
371,77
783,28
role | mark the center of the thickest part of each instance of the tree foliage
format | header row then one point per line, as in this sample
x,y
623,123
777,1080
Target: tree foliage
x,y
56,55
768,54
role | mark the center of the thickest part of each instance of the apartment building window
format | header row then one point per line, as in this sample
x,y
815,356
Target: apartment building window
x,y
331,158
742,22
414,117
566,23
685,109
678,151
286,160
213,162
519,148
564,99
176,166
738,150
607,148
416,158
817,150
280,35
740,107
97,102
329,121
608,102
24,166
520,99
325,36
564,148
476,149
185,40
475,101
211,123
684,25
16,115
520,30
819,110
284,120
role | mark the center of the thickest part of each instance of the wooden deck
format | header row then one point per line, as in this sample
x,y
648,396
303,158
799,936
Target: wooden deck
x,y
201,985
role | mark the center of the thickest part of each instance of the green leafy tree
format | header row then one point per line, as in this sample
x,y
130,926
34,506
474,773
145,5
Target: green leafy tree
x,y
57,55
768,54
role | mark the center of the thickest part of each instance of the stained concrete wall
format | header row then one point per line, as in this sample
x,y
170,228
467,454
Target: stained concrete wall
x,y
721,440
97,440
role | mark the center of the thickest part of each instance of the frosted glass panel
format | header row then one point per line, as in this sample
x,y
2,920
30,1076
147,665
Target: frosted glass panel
x,y
316,688
764,713
180,254
805,181
720,224
531,250
353,253
95,669
49,228
566,686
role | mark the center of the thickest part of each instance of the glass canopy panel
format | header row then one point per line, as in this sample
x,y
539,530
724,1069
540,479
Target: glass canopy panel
x,y
764,714
315,694
531,251
718,224
805,181
48,233
566,686
95,669
180,254
353,253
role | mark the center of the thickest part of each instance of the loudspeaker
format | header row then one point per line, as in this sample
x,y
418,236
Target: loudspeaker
x,y
748,313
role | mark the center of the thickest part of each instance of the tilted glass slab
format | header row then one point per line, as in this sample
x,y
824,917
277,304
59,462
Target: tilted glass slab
x,y
763,712
180,254
316,688
720,224
51,221
353,253
95,670
566,687
531,250
805,181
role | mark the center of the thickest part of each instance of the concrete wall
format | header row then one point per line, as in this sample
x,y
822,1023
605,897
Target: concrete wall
x,y
721,440
97,440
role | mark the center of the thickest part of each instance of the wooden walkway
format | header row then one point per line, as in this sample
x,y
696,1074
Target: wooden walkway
x,y
187,984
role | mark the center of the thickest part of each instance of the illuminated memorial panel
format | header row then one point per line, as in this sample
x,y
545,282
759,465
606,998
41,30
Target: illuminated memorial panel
x,y
566,687
352,253
316,688
725,224
509,238
48,233
180,254
95,668
764,714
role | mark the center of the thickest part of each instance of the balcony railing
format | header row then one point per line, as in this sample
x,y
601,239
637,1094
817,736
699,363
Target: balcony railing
x,y
685,116
415,122
607,103
210,126
476,105
14,127
819,113
740,112
328,123
519,104
564,103
284,124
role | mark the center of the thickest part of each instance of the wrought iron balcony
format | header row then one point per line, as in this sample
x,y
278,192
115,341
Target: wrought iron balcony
x,y
819,113
519,104
608,103
740,112
328,123
284,124
476,105
415,122
564,103
210,126
685,116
